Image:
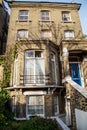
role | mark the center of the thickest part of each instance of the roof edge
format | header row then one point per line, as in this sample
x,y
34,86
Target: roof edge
x,y
43,2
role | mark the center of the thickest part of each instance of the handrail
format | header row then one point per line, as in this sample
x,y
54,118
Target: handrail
x,y
75,86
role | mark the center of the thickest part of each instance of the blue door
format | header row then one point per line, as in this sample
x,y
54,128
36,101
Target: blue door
x,y
75,73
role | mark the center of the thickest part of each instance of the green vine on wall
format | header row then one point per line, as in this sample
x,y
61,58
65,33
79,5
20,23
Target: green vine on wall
x,y
6,62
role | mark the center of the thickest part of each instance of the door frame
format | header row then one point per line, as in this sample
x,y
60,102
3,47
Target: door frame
x,y
79,63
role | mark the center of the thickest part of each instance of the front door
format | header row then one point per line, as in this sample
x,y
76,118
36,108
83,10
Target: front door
x,y
75,73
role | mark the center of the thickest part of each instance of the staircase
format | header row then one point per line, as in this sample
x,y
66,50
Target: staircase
x,y
77,96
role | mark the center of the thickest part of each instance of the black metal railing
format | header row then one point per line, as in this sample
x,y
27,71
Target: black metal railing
x,y
32,79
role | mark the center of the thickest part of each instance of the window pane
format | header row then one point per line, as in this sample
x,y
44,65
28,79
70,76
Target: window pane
x,y
38,53
29,54
45,15
69,34
35,105
39,67
22,34
56,105
29,72
66,16
53,68
23,15
34,67
46,34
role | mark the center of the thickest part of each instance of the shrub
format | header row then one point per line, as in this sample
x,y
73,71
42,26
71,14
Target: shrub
x,y
38,123
5,115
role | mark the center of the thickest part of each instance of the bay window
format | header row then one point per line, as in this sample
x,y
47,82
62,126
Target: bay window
x,y
34,67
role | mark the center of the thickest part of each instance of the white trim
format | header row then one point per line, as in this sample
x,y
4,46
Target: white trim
x,y
20,119
34,93
76,86
62,124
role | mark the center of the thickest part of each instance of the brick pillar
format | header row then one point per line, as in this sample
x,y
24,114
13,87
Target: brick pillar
x,y
48,105
21,106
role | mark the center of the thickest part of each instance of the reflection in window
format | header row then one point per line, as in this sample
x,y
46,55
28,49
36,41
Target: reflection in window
x,y
66,16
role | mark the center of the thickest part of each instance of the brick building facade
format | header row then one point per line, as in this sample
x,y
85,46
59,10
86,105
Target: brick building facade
x,y
50,46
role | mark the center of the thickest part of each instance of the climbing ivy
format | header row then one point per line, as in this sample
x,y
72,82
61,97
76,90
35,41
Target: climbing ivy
x,y
6,61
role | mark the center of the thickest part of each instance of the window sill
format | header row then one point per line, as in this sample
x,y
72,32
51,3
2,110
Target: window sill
x,y
69,38
46,21
22,39
67,21
23,21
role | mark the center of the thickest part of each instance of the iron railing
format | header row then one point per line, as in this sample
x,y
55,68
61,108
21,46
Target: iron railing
x,y
32,79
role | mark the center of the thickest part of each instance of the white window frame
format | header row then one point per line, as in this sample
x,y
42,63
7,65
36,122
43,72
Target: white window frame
x,y
27,104
22,34
45,15
56,104
23,16
66,16
68,34
46,34
33,58
53,61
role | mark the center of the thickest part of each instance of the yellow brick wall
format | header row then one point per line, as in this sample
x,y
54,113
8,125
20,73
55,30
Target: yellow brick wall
x,y
34,15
